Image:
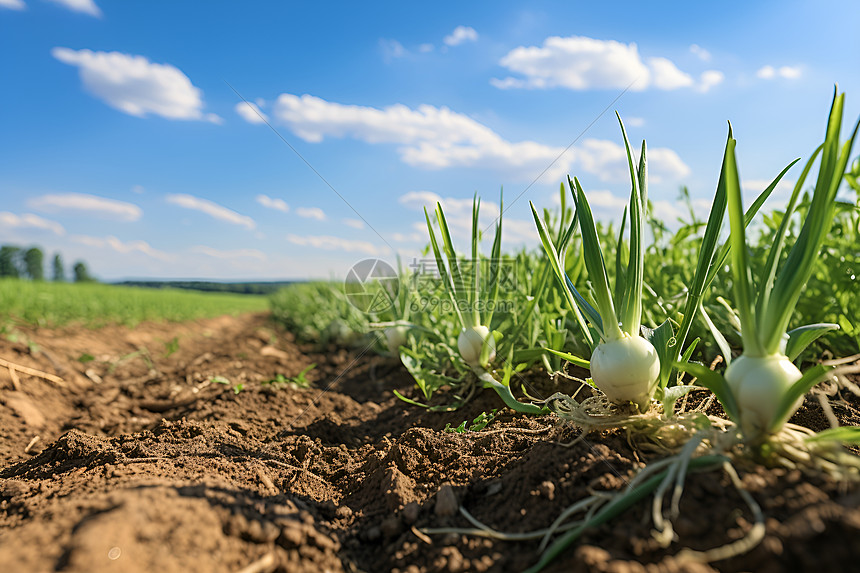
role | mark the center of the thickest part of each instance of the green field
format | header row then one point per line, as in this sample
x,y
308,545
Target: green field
x,y
95,305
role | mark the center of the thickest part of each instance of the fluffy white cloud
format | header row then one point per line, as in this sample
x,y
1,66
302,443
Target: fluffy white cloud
x,y
354,223
785,72
438,138
581,63
136,86
251,112
311,213
88,204
329,243
426,48
124,248
214,210
709,79
608,160
28,220
461,34
82,6
700,52
13,4
666,76
429,137
230,254
273,203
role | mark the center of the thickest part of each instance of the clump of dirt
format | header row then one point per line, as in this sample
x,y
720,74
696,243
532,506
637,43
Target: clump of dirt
x,y
167,448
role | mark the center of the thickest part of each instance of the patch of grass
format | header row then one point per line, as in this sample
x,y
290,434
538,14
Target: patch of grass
x,y
94,305
300,380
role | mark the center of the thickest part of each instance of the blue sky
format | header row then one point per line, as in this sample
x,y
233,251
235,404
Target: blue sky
x,y
123,142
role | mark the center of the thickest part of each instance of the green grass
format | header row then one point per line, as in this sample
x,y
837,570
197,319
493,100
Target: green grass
x,y
95,305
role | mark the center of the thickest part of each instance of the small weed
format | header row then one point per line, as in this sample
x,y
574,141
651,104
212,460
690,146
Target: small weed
x,y
219,380
478,424
171,346
238,388
86,357
300,380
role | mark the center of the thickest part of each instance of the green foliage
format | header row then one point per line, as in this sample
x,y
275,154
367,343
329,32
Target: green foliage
x,y
9,264
59,274
171,346
82,274
479,423
300,380
95,305
34,263
318,312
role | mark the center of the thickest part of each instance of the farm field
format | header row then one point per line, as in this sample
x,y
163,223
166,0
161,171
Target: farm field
x,y
145,459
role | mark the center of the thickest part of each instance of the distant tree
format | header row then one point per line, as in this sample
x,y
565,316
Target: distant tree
x,y
34,263
9,261
59,271
82,275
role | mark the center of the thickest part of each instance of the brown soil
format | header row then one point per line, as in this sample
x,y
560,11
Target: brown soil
x,y
141,462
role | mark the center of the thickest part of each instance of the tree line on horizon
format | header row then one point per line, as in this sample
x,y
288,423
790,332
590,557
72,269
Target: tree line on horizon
x,y
17,262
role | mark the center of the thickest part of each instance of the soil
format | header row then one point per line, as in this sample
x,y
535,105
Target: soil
x,y
146,460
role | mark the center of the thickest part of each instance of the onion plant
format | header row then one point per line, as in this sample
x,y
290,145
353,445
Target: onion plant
x,y
624,350
624,365
762,388
476,341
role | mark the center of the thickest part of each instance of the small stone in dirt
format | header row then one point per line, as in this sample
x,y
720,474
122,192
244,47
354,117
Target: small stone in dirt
x,y
391,526
493,488
410,512
343,512
547,490
446,501
292,535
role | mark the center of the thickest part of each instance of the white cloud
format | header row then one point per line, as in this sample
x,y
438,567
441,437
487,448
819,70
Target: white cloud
x,y
461,34
13,4
700,52
667,76
608,160
83,6
251,112
28,220
391,49
273,203
634,121
231,254
212,209
426,48
429,137
115,244
329,243
311,213
354,223
415,237
139,189
581,63
438,138
785,72
709,79
89,204
136,86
